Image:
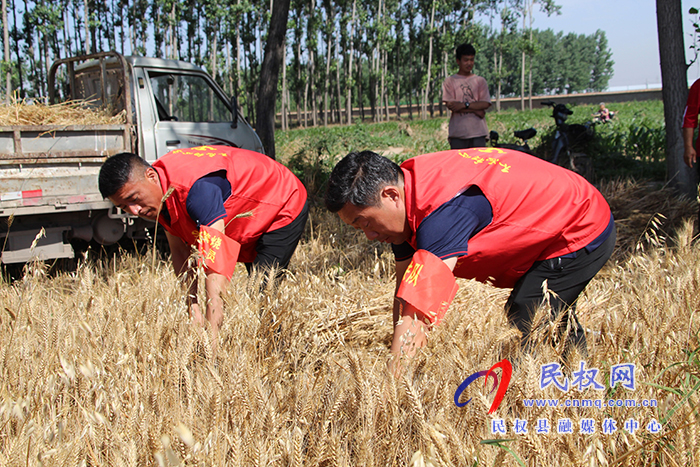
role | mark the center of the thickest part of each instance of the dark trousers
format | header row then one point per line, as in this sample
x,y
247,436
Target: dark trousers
x,y
566,278
275,249
459,143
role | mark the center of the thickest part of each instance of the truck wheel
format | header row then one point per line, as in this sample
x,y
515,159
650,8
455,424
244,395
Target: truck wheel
x,y
107,231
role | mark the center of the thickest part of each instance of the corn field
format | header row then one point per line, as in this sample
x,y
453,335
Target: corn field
x,y
102,367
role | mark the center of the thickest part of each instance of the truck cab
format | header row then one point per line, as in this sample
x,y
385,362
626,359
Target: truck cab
x,y
48,173
174,104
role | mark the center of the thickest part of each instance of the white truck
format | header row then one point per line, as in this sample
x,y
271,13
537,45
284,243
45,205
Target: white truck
x,y
48,173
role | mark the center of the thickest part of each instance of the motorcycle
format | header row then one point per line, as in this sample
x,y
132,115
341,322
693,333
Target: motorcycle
x,y
567,137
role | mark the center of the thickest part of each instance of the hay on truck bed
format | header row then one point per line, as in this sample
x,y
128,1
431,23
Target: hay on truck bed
x,y
67,113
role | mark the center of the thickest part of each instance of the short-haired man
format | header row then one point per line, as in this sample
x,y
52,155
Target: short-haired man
x,y
247,196
467,97
491,214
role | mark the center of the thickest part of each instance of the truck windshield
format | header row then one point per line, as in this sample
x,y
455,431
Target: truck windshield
x,y
187,98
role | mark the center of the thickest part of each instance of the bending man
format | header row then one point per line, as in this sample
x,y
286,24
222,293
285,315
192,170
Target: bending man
x,y
491,214
247,196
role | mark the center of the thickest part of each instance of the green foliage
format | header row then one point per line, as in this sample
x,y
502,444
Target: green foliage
x,y
389,44
696,30
561,63
631,145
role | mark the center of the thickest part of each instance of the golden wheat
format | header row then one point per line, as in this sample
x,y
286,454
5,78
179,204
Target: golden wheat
x,y
103,367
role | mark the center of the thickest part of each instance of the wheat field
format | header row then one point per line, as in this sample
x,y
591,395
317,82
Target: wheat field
x,y
101,366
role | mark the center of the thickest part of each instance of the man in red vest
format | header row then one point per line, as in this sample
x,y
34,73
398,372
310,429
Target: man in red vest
x,y
221,194
495,215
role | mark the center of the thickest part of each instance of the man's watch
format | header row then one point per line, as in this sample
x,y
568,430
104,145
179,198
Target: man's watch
x,y
466,105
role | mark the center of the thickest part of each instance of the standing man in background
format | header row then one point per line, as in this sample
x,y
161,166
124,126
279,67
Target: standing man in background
x,y
467,97
690,122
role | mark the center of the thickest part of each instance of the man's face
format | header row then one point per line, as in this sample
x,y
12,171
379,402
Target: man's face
x,y
140,196
465,64
385,222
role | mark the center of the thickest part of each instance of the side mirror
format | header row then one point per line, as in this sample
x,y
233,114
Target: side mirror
x,y
234,111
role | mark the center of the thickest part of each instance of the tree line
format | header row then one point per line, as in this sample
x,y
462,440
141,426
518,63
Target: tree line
x,y
338,54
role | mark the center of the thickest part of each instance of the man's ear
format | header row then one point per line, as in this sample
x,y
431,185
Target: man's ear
x,y
392,193
151,175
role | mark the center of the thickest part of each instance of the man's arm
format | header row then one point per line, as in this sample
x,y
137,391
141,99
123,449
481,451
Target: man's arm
x,y
689,154
690,122
179,255
215,284
409,333
477,107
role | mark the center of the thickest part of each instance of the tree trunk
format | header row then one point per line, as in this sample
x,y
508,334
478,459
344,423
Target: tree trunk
x,y
87,28
360,97
409,88
19,58
380,62
337,82
397,78
6,38
522,69
213,56
312,83
424,110
47,65
385,91
269,76
373,90
173,32
306,103
529,71
239,84
298,87
348,87
229,84
500,81
674,83
326,83
284,89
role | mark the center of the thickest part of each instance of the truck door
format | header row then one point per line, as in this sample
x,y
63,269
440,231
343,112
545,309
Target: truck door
x,y
192,111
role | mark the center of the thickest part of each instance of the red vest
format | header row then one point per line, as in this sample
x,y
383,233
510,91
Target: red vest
x,y
265,195
540,210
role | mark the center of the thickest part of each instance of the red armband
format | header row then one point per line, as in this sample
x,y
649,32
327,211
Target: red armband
x,y
429,286
217,252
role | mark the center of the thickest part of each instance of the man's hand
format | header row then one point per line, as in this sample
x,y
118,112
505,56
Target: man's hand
x,y
409,336
478,108
195,313
409,333
215,284
689,154
456,106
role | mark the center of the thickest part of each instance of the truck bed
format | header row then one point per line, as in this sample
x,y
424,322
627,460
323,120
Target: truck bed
x,y
51,168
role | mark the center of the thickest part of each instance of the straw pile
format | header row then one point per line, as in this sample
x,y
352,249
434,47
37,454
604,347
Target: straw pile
x,y
102,367
23,112
645,211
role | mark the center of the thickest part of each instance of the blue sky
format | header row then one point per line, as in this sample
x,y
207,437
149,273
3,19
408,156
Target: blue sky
x,y
630,26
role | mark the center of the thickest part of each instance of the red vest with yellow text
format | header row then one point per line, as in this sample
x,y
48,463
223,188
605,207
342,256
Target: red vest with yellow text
x,y
540,210
265,195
